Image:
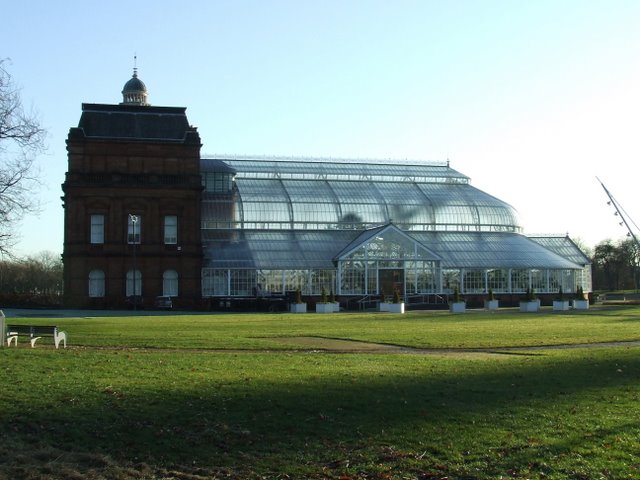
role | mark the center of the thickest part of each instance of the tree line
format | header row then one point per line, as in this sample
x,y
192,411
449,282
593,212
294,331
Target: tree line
x,y
615,265
32,281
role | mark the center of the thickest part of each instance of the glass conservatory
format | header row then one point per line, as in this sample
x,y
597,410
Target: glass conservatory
x,y
271,226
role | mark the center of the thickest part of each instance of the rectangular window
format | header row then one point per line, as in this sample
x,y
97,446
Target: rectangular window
x,y
134,228
97,229
96,283
170,229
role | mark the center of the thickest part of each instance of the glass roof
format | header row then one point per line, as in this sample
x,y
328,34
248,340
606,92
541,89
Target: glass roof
x,y
318,249
324,195
273,250
491,250
562,245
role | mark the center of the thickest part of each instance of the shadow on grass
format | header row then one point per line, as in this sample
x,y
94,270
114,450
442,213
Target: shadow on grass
x,y
392,415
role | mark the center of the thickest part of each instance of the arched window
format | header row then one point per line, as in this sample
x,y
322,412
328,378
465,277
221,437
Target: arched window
x,y
96,283
134,283
170,283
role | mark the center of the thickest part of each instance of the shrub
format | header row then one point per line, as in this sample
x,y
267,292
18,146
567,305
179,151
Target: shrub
x,y
530,296
456,295
396,296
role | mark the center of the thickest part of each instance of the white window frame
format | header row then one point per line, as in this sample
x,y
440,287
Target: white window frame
x,y
96,284
170,229
96,229
170,283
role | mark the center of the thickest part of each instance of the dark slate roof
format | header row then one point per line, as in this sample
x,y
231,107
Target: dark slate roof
x,y
133,122
215,165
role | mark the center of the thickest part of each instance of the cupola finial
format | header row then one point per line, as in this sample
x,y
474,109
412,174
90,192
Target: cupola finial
x,y
135,91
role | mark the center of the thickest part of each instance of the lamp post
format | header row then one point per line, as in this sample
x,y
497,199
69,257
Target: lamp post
x,y
134,221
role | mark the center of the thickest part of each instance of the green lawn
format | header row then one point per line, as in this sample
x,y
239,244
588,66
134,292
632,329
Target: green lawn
x,y
242,396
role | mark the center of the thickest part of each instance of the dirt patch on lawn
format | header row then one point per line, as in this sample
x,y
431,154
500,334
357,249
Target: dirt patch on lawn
x,y
339,345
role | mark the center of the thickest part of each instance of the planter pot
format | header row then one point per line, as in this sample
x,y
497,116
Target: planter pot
x,y
298,308
325,308
396,307
491,305
384,306
581,304
457,307
561,305
336,307
530,306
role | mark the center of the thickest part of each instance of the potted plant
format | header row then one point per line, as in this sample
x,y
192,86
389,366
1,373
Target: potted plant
x,y
298,306
383,305
530,302
491,302
324,306
560,303
457,304
580,303
398,305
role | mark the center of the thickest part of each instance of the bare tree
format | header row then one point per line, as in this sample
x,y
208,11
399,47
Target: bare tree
x,y
21,139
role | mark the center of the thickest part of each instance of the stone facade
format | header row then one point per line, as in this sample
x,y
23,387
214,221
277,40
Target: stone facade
x,y
132,160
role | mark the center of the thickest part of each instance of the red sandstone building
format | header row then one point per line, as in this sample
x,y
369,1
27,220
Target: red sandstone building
x,y
132,197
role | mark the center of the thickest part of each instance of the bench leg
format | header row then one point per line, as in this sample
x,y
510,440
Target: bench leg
x,y
12,338
61,336
34,340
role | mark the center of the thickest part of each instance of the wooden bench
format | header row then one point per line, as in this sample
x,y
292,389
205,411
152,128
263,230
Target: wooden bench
x,y
35,333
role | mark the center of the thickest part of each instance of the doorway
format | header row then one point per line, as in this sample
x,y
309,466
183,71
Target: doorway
x,y
390,280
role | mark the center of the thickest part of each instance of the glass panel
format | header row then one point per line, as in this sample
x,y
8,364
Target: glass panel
x,y
214,282
296,279
539,280
170,283
474,281
97,229
498,280
323,279
96,283
450,280
519,280
170,229
353,278
269,282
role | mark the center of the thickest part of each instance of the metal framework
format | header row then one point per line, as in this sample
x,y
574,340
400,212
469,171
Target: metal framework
x,y
280,225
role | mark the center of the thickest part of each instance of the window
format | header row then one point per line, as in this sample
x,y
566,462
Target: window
x,y
134,228
170,283
134,283
97,229
96,283
170,229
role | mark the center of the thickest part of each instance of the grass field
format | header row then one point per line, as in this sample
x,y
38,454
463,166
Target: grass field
x,y
426,395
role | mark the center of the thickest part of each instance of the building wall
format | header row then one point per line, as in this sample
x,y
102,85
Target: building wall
x,y
115,178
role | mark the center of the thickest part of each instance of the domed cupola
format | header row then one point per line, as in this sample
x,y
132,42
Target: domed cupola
x,y
134,91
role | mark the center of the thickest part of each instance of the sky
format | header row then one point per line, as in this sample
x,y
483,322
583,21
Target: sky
x,y
533,100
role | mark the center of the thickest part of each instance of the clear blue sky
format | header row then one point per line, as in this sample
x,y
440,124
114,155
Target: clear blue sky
x,y
531,99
